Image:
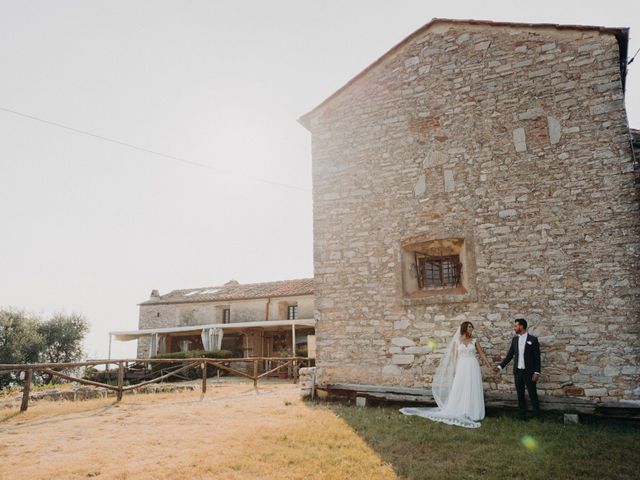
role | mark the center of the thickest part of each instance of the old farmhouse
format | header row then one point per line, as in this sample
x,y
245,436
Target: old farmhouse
x,y
252,320
480,171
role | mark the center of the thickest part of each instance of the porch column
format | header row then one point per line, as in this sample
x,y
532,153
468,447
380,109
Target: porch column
x,y
293,340
153,348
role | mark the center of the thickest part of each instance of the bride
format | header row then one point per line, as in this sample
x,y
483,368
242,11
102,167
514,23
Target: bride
x,y
457,384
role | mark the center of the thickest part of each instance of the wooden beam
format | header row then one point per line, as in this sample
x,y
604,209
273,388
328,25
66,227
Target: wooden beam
x,y
79,380
228,369
167,375
274,369
19,367
397,397
377,388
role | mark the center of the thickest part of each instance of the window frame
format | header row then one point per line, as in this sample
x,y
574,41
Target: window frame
x,y
438,244
449,271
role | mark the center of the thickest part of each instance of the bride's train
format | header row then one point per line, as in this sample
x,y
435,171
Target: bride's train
x,y
438,416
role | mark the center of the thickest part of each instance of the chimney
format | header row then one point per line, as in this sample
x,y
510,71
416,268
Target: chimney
x,y
154,294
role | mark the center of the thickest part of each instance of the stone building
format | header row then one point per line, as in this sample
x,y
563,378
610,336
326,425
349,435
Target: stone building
x,y
480,171
251,320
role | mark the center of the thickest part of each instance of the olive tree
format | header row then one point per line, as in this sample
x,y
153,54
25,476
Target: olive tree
x,y
62,338
27,339
20,341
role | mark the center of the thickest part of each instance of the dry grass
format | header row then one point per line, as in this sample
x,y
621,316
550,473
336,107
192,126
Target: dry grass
x,y
232,433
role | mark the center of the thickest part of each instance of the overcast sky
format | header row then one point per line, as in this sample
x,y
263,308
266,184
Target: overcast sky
x,y
92,226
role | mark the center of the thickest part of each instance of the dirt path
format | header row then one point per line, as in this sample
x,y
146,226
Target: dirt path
x,y
233,432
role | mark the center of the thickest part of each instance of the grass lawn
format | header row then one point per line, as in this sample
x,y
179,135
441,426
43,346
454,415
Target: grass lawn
x,y
236,432
503,448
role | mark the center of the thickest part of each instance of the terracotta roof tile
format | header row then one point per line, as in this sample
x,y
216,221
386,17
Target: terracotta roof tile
x,y
236,291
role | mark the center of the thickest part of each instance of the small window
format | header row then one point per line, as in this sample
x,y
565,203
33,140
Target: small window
x,y
226,315
292,312
436,272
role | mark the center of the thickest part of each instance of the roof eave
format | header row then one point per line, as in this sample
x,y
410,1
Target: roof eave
x,y
233,299
304,322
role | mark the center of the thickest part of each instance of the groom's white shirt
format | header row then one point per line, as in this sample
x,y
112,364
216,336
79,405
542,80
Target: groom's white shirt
x,y
522,340
521,344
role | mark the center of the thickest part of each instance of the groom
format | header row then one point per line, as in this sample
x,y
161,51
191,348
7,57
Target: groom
x,y
526,350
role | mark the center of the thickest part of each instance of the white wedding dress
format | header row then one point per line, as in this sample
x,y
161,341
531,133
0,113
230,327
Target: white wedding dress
x,y
463,401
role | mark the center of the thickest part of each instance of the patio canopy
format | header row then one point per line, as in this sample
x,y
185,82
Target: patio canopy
x,y
125,336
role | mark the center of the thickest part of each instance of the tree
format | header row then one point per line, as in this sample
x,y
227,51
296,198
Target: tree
x,y
62,337
20,341
25,339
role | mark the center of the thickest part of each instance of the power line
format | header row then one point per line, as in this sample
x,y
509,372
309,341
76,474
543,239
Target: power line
x,y
153,152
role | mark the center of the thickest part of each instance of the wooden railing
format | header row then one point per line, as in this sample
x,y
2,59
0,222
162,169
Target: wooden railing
x,y
274,364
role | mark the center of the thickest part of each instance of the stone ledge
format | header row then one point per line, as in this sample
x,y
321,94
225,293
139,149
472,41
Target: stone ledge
x,y
628,410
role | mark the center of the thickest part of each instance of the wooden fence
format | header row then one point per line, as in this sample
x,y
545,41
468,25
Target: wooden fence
x,y
274,364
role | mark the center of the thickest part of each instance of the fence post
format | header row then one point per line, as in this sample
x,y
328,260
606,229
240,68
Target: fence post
x,y
204,378
120,380
255,373
26,390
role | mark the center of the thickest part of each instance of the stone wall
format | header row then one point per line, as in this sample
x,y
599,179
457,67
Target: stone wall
x,y
306,381
514,140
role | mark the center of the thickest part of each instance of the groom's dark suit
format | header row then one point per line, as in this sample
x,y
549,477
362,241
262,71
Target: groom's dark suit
x,y
524,377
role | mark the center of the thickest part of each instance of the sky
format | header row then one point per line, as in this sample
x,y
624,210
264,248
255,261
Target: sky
x,y
154,144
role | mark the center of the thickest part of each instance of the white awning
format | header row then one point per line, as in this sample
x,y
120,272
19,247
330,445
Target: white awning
x,y
125,336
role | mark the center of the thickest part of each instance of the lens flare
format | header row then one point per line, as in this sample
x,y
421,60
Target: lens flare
x,y
529,442
431,345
